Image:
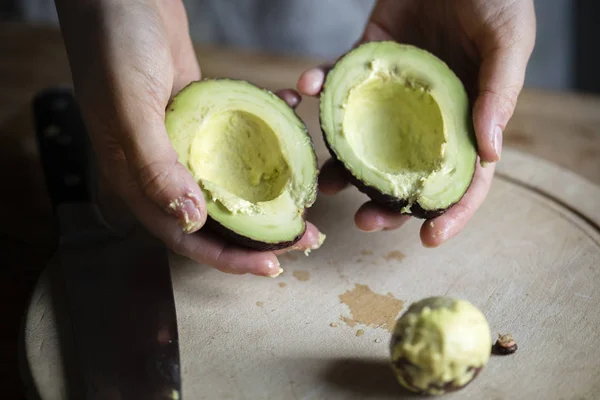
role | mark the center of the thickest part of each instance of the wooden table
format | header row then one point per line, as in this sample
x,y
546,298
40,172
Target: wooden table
x,y
33,57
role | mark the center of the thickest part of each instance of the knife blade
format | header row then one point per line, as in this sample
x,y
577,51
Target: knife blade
x,y
120,302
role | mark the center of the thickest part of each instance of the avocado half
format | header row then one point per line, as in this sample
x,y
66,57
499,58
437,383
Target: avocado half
x,y
399,120
252,157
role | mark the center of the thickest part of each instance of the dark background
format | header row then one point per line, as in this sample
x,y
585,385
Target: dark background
x,y
586,59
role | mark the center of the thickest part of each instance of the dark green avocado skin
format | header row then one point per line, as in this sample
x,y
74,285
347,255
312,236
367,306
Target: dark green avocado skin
x,y
446,387
235,238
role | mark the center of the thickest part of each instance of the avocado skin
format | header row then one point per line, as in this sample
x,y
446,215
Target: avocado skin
x,y
447,387
243,241
390,202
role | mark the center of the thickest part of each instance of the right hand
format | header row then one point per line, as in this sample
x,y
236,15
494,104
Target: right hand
x,y
127,61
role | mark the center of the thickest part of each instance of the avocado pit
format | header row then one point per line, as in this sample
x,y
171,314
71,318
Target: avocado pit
x,y
440,344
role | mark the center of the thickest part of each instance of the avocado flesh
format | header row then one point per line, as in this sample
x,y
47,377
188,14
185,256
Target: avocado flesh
x,y
251,156
399,121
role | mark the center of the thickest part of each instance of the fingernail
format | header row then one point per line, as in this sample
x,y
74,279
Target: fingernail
x,y
497,141
317,245
274,269
372,230
187,211
320,240
375,230
315,78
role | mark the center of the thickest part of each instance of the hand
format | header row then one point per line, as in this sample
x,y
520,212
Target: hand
x,y
488,44
127,61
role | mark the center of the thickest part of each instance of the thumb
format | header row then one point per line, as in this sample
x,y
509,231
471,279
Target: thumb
x,y
501,78
154,167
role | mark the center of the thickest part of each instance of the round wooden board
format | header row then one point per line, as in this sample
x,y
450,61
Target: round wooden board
x,y
529,259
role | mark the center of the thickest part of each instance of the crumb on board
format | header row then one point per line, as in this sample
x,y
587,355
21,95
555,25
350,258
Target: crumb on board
x,y
333,325
394,255
505,344
301,275
360,332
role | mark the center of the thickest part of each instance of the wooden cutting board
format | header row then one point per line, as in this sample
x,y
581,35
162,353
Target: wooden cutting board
x,y
529,259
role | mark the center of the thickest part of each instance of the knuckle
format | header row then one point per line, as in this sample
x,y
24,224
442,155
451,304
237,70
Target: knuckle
x,y
506,99
154,179
221,259
176,243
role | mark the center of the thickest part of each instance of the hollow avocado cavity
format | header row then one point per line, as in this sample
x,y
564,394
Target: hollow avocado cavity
x,y
239,153
396,128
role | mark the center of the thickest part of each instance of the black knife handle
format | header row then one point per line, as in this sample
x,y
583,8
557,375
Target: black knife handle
x,y
63,146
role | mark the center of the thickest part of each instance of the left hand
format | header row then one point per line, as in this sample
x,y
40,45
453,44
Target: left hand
x,y
488,44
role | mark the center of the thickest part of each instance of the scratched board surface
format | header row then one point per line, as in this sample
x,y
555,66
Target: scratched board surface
x,y
529,259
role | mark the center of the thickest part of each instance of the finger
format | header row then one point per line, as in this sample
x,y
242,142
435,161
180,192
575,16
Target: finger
x,y
154,165
372,217
290,96
235,260
501,78
333,177
311,240
311,81
210,250
438,230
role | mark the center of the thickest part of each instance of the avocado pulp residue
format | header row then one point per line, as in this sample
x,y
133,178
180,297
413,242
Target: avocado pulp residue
x,y
240,153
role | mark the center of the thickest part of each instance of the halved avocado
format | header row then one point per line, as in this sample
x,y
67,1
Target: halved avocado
x,y
399,120
251,156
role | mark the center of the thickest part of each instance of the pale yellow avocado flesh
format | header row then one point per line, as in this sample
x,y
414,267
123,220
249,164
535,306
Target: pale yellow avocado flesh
x,y
386,120
250,154
446,341
399,120
239,152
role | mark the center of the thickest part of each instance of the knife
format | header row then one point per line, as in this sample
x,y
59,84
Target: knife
x,y
120,302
